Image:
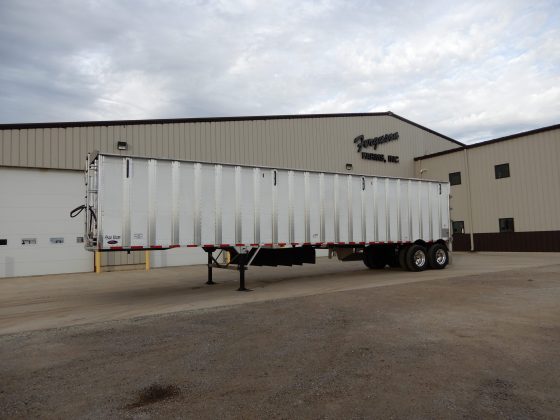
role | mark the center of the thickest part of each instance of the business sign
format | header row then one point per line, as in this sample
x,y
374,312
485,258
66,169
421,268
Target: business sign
x,y
361,143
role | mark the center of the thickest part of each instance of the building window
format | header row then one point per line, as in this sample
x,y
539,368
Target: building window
x,y
502,171
455,178
458,226
506,225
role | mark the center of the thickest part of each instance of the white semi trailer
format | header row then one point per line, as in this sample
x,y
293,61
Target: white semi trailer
x,y
263,216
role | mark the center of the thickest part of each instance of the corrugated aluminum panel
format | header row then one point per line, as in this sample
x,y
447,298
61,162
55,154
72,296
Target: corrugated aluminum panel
x,y
156,203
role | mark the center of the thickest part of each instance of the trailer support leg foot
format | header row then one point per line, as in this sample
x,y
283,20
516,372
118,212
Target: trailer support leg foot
x,y
242,287
209,281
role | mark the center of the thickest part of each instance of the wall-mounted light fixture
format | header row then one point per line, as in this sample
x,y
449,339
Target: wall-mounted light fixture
x,y
122,145
349,167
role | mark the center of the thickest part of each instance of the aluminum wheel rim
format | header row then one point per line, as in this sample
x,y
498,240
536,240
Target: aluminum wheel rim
x,y
419,258
441,257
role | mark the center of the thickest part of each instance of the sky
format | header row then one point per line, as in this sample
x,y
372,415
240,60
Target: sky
x,y
470,70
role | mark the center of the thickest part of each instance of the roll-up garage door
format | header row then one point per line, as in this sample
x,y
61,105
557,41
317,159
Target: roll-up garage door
x,y
37,236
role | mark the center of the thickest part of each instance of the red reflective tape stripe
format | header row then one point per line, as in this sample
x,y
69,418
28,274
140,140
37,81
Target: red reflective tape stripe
x,y
239,244
318,243
192,246
362,243
295,243
225,245
268,244
136,247
116,247
255,244
281,243
352,243
341,243
174,246
372,243
330,243
307,243
208,246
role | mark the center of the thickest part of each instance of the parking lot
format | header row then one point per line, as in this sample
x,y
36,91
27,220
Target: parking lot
x,y
477,339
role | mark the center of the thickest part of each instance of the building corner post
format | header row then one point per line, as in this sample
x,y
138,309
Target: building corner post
x,y
469,198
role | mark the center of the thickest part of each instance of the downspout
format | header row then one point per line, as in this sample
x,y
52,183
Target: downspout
x,y
469,202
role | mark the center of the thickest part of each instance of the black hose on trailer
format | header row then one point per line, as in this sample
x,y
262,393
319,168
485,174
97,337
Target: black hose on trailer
x,y
79,209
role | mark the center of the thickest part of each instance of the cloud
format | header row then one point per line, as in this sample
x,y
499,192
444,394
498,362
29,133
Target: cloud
x,y
470,70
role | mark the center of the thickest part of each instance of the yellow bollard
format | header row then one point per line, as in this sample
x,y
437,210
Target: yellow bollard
x,y
97,262
147,255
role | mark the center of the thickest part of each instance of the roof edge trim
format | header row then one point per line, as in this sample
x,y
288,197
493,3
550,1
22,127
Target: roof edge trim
x,y
496,140
68,124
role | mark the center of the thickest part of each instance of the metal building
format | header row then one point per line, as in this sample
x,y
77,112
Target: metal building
x,y
41,170
41,175
505,192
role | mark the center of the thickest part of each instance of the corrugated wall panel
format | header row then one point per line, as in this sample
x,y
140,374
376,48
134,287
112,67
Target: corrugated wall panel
x,y
439,168
531,195
531,181
14,148
311,143
122,258
39,161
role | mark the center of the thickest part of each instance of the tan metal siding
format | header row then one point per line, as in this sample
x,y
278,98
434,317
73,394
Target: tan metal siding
x,y
439,168
311,143
122,258
531,195
5,146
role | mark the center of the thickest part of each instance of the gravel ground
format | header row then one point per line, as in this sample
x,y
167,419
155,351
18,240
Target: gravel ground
x,y
466,347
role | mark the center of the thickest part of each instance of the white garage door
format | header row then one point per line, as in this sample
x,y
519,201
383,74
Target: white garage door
x,y
37,236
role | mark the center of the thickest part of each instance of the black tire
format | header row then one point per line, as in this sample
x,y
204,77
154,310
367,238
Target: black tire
x,y
366,260
402,257
416,258
438,257
374,260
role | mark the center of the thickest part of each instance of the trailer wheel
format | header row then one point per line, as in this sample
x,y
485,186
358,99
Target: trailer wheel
x,y
402,257
374,260
438,257
416,258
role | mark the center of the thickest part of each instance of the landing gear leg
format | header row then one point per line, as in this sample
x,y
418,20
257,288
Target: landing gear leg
x,y
242,288
242,267
210,268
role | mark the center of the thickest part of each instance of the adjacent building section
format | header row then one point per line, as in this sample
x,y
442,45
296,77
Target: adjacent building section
x,y
505,192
